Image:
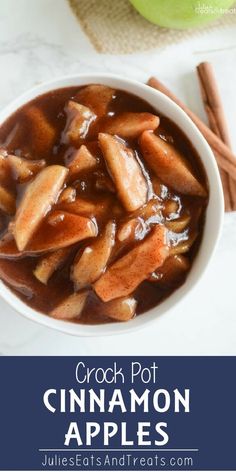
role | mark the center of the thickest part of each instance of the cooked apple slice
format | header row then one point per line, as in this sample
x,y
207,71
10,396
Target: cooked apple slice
x,y
5,172
90,208
23,169
158,187
131,125
79,206
180,224
169,165
68,195
50,263
137,227
71,307
120,309
151,212
96,97
37,200
183,246
82,160
90,265
79,119
170,208
124,276
172,271
43,135
131,230
7,201
125,172
61,229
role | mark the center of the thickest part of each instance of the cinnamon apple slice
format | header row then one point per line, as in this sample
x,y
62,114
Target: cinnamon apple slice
x,y
82,160
180,224
71,307
125,171
185,245
132,230
90,265
169,165
7,201
131,125
37,200
50,263
79,119
61,229
43,134
68,195
136,228
96,97
124,276
85,207
120,309
5,171
24,169
151,212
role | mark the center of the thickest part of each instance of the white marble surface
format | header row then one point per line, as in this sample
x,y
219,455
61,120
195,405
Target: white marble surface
x,y
40,40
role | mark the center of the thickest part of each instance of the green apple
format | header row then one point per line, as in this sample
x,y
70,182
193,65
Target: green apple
x,y
181,14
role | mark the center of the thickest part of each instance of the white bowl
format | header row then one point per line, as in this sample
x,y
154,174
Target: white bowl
x,y
214,215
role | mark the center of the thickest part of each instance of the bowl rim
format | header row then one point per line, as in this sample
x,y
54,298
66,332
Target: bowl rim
x,y
214,214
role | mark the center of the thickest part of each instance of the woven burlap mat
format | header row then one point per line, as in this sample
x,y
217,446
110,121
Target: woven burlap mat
x,y
115,27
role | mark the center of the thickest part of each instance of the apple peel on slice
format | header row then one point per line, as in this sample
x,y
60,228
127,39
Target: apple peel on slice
x,y
92,263
125,171
131,125
169,165
71,307
37,200
124,276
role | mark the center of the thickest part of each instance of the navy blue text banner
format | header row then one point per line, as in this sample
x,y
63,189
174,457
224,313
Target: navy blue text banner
x,y
121,413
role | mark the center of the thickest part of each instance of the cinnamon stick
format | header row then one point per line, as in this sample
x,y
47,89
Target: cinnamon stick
x,y
218,124
225,158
